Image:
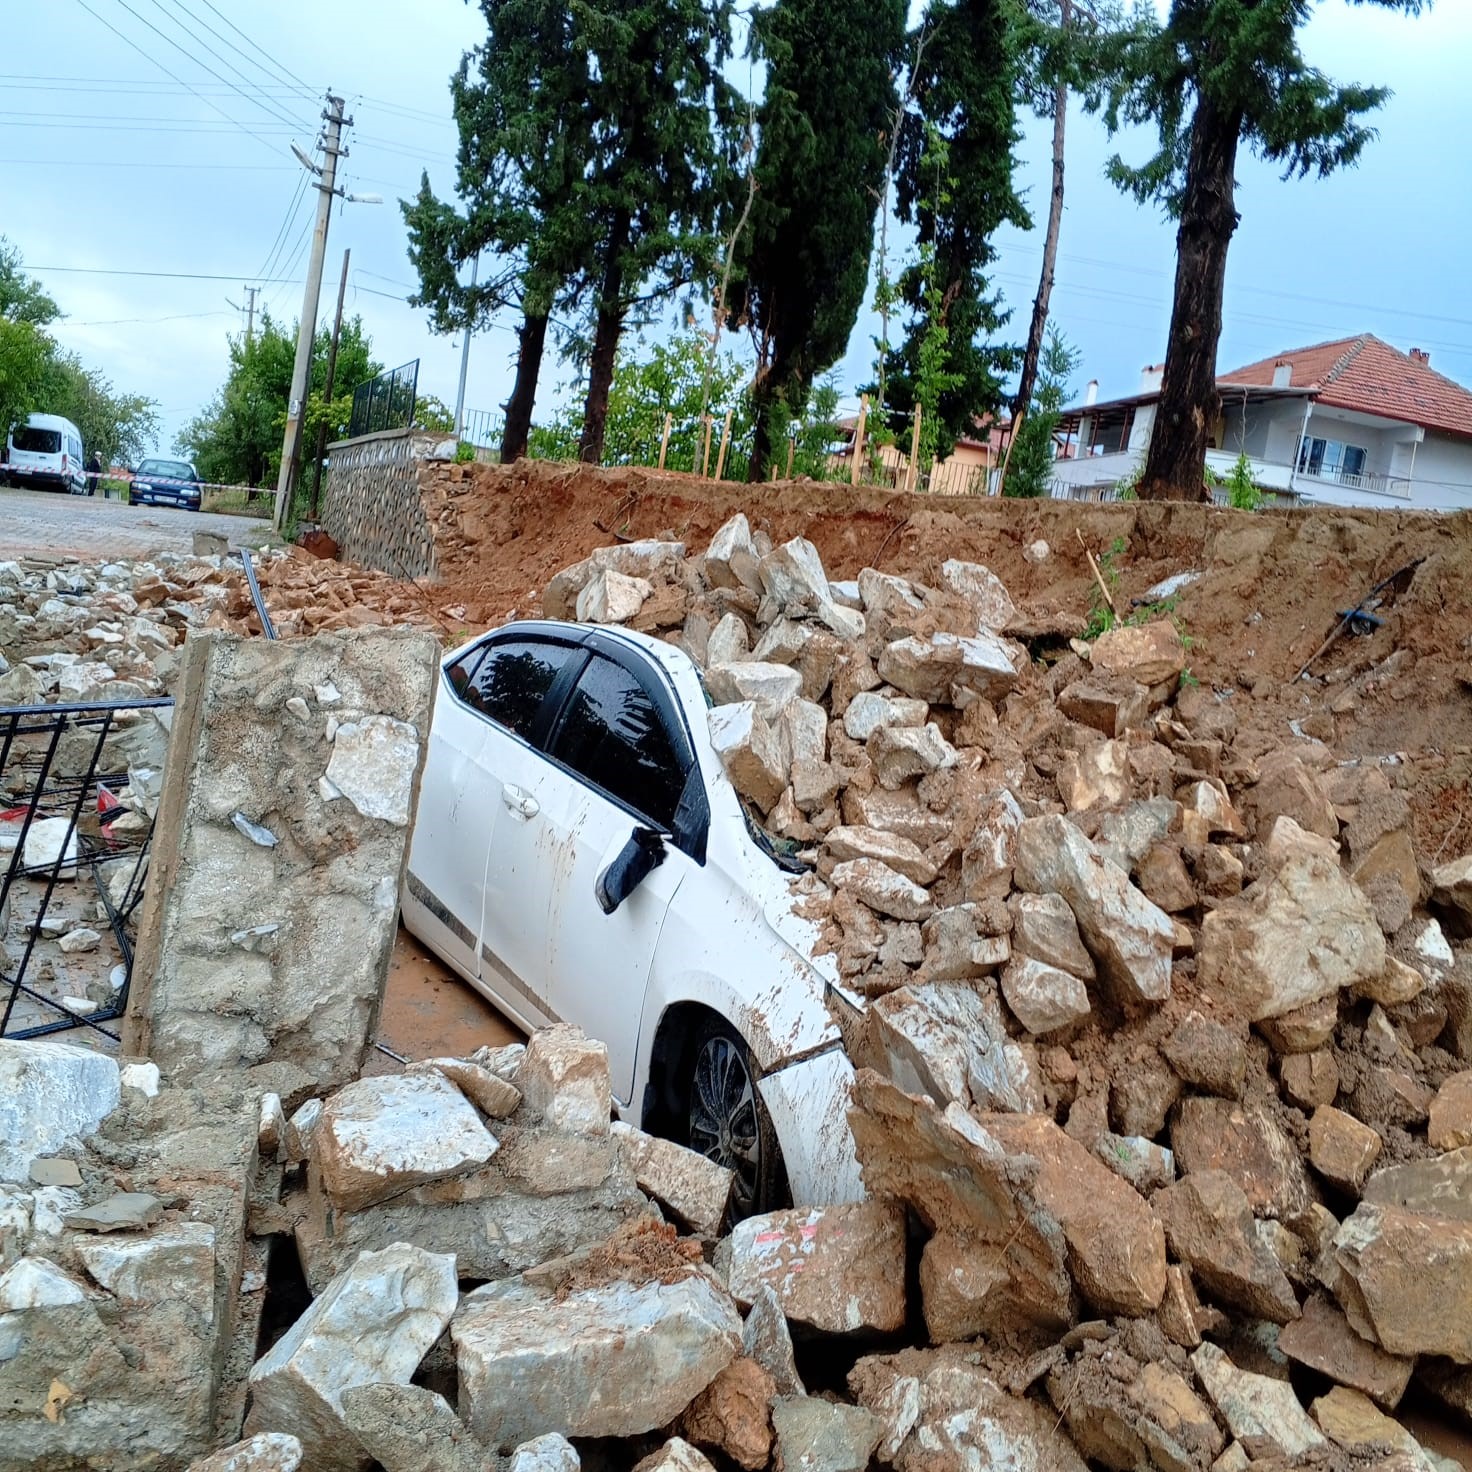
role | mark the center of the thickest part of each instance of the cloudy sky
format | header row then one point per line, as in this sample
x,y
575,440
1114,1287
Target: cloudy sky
x,y
144,147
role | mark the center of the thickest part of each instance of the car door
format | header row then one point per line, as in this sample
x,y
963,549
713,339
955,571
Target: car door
x,y
493,697
622,742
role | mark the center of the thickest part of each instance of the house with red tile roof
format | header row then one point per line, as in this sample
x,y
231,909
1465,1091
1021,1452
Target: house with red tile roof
x,y
1354,422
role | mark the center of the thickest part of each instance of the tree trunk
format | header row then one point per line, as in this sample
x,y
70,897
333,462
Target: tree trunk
x,y
606,334
1189,402
533,336
1022,400
762,407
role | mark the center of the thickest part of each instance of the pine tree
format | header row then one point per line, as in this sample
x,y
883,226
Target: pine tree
x,y
803,261
964,94
1029,469
1217,74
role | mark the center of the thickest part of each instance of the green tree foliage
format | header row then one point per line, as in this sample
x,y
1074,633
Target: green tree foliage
x,y
802,264
434,414
1218,74
1030,464
38,376
964,116
236,439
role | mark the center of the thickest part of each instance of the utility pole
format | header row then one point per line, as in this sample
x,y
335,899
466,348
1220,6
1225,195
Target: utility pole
x,y
342,289
326,187
465,356
250,314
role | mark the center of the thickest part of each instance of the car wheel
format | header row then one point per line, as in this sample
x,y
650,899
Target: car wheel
x,y
726,1121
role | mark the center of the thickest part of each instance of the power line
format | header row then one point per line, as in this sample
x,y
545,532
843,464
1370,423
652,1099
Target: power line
x,y
128,40
110,164
163,275
266,71
287,221
276,66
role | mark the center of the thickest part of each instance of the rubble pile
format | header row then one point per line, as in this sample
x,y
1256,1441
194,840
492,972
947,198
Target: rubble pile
x,y
74,632
1164,1037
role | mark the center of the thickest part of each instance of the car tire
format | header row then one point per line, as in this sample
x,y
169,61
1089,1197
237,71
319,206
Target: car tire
x,y
723,1118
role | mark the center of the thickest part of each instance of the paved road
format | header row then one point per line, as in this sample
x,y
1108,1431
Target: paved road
x,y
96,530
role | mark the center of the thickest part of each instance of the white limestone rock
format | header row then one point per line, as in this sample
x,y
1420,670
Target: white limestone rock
x,y
373,765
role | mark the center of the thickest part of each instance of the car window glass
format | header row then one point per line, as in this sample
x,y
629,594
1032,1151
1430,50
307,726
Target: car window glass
x,y
612,734
512,681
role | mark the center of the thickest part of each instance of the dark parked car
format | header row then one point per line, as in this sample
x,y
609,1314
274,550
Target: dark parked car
x,y
165,483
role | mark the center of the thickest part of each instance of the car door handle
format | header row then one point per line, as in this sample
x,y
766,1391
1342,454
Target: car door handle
x,y
520,802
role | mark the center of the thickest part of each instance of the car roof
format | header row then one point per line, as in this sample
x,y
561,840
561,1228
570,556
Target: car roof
x,y
51,421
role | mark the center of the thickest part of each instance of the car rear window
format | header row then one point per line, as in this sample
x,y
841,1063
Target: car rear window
x,y
167,469
37,441
612,734
511,682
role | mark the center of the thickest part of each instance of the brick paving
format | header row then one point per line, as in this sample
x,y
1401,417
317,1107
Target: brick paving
x,y
47,523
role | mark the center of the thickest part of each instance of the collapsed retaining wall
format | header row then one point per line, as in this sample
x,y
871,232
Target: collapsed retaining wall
x,y
372,507
293,771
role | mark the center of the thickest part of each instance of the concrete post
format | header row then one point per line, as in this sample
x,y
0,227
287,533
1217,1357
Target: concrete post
x,y
281,838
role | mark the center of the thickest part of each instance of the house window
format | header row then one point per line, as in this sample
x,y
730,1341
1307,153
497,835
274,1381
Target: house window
x,y
1331,459
1109,432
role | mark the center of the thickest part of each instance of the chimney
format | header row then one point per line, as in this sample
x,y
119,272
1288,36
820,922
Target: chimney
x,y
1091,393
1150,377
1282,374
1420,356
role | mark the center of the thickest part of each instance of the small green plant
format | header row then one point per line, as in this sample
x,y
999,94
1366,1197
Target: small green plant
x,y
1242,491
464,452
1127,488
1102,617
1188,680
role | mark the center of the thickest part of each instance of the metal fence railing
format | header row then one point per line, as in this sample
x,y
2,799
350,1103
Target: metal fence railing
x,y
484,428
73,860
385,402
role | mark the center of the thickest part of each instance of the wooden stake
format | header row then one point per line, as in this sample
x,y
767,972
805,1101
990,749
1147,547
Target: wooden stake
x,y
791,453
1094,568
705,456
664,439
1017,419
725,440
859,437
912,473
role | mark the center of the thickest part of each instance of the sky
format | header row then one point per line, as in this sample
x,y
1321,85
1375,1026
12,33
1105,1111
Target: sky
x,y
145,147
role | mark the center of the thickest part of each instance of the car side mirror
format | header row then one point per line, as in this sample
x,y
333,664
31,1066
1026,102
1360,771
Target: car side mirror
x,y
631,866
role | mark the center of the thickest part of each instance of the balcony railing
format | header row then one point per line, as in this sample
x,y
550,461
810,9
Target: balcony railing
x,y
1361,480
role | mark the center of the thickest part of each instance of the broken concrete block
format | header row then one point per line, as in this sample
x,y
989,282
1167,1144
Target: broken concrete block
x,y
1255,1405
981,590
490,1093
532,1360
372,1325
174,1264
1209,1225
770,687
1342,1150
693,1189
883,889
750,752
271,1451
374,763
1044,928
901,753
1129,938
733,1414
564,1078
380,1136
405,1428
927,668
612,597
836,1269
845,842
1449,1125
823,1436
948,1040
767,1340
50,1093
1295,937
1324,1341
1043,998
1406,1278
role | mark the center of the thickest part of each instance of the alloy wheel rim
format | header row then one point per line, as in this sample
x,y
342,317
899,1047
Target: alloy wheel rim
x,y
723,1117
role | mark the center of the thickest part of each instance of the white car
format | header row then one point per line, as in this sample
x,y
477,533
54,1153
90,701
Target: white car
x,y
579,855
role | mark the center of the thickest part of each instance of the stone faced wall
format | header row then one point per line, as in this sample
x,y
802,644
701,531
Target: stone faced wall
x,y
292,776
371,504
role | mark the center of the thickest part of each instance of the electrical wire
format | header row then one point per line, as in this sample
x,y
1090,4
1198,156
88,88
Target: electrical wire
x,y
161,275
271,70
109,164
288,221
276,66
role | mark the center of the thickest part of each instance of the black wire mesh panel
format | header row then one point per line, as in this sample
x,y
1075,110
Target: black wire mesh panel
x,y
68,845
385,402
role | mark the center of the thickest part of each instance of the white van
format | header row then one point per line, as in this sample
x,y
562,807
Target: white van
x,y
46,451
